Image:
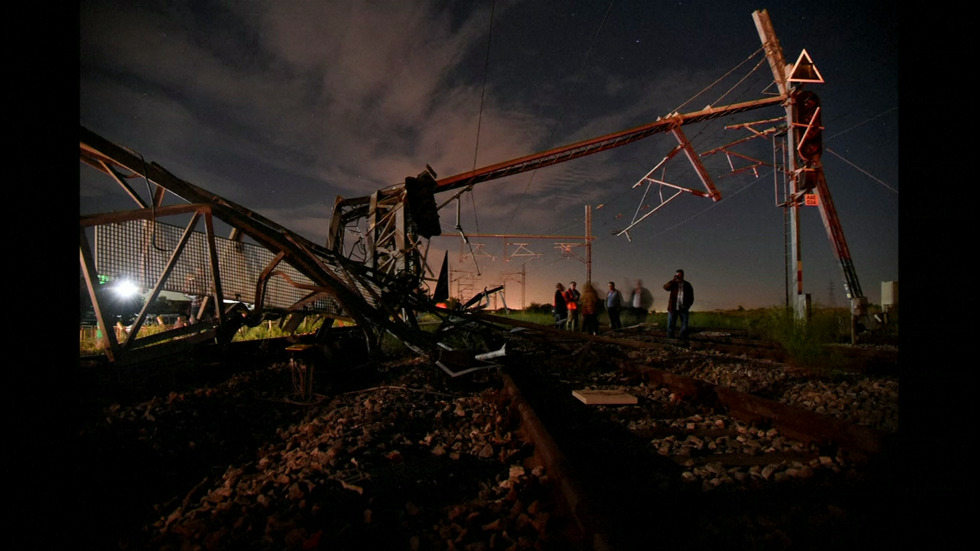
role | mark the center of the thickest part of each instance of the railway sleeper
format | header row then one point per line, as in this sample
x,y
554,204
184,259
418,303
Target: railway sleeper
x,y
630,501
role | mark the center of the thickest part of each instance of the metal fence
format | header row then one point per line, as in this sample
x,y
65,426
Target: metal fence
x,y
140,250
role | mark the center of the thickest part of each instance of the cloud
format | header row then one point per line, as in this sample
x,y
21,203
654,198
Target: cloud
x,y
282,106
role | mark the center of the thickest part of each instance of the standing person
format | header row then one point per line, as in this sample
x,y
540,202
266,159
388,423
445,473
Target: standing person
x,y
572,296
560,309
641,302
614,303
589,306
679,303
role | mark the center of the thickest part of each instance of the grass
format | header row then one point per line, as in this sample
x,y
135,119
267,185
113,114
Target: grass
x,y
272,330
91,343
804,341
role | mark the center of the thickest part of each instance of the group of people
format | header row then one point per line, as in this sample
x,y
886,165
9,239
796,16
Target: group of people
x,y
570,305
568,302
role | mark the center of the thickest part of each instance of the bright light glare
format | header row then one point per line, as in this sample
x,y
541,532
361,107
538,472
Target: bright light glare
x,y
126,289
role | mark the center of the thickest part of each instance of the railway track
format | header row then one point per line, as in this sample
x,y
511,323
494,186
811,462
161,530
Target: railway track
x,y
503,456
695,465
690,462
883,359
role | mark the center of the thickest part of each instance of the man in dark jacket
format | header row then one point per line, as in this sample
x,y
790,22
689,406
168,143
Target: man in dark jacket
x,y
560,308
679,303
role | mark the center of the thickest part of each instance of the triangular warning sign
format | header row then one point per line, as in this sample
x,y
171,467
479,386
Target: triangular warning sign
x,y
804,70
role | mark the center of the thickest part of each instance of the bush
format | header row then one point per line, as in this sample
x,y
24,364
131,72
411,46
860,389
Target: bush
x,y
805,340
536,308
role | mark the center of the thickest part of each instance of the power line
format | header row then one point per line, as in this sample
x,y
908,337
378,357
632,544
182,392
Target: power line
x,y
862,123
483,91
479,120
561,113
861,170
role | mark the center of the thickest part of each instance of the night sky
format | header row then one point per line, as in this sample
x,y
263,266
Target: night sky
x,y
282,106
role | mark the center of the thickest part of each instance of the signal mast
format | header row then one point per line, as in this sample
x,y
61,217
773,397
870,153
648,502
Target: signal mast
x,y
808,185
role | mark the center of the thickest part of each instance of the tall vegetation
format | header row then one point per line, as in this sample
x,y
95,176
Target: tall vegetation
x,y
805,340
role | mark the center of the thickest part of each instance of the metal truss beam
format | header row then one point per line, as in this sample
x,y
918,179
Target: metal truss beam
x,y
365,294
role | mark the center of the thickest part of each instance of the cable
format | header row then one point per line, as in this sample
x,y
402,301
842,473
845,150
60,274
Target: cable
x,y
153,206
722,77
859,169
713,125
862,123
483,92
699,213
561,113
479,120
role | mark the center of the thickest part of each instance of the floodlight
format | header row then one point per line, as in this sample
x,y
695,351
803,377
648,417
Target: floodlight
x,y
126,289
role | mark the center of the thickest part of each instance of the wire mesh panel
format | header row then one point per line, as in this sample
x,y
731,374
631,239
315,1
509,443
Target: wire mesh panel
x,y
139,250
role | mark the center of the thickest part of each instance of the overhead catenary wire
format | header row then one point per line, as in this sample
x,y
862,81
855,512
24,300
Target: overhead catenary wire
x,y
706,209
564,104
852,127
862,123
479,119
701,129
476,146
723,77
753,182
859,169
704,129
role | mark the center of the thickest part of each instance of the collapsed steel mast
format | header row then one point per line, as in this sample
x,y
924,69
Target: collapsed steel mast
x,y
373,269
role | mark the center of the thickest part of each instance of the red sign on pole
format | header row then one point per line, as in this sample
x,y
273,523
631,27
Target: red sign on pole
x,y
811,200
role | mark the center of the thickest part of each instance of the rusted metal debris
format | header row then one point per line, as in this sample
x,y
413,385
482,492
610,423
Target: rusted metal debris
x,y
281,273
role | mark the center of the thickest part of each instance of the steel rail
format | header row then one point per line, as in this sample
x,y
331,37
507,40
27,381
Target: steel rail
x,y
796,422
